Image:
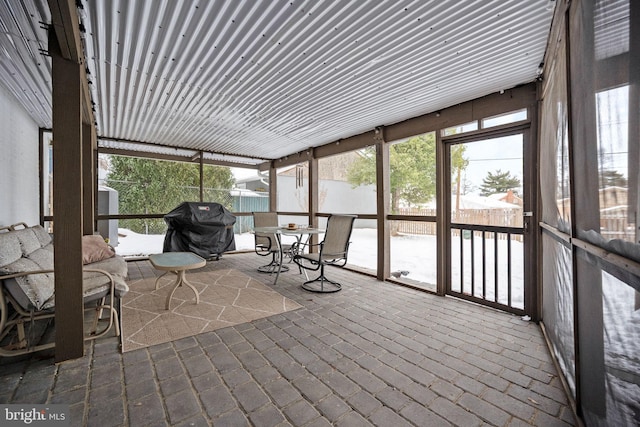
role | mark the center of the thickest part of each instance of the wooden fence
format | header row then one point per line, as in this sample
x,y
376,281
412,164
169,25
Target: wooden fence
x,y
614,224
496,217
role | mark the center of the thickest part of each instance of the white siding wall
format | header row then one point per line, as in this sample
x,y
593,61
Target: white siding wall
x,y
19,176
344,199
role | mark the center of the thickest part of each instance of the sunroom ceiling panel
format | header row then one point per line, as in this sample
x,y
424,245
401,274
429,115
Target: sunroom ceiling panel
x,y
268,78
24,69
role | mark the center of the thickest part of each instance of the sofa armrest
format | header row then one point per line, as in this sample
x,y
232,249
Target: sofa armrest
x,y
88,292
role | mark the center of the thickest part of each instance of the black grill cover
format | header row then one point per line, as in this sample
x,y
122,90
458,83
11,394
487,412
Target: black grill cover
x,y
205,229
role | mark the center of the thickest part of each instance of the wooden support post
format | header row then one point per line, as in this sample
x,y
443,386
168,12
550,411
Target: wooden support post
x,y
89,179
443,217
201,168
67,202
273,188
382,201
314,198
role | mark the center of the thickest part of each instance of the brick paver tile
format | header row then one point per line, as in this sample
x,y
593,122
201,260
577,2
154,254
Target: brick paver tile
x,y
510,405
446,389
516,378
282,392
312,388
266,416
366,380
174,384
138,372
332,407
301,412
364,403
97,395
352,419
196,421
484,410
68,380
340,384
470,385
232,419
265,374
392,377
222,358
206,381
386,417
168,368
217,401
107,413
539,401
493,381
197,365
393,398
552,391
236,378
542,419
181,406
421,416
454,413
250,396
140,389
146,411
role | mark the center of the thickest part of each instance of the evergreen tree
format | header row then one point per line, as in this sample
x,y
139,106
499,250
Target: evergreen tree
x,y
612,178
499,182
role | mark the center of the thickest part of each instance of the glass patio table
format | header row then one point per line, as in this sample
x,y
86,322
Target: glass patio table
x,y
178,263
298,232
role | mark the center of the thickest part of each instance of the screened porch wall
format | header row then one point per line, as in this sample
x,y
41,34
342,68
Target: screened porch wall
x,y
589,183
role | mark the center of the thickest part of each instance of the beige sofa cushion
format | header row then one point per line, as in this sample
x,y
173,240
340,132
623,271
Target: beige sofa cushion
x,y
28,240
9,249
95,249
26,250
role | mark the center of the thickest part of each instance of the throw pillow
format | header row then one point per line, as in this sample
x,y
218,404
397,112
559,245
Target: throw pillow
x,y
95,249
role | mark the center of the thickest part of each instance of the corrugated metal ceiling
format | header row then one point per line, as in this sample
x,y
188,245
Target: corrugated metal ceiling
x,y
265,79
24,70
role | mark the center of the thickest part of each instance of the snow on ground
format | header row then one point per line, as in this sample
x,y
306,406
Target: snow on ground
x,y
414,255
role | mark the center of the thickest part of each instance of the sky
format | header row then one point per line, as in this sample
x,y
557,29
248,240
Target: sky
x,y
242,173
490,155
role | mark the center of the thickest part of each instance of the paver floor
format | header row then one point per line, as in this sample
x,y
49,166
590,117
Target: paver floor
x,y
373,354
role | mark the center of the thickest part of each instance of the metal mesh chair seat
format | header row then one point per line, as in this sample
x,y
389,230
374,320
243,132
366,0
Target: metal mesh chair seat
x,y
266,244
333,250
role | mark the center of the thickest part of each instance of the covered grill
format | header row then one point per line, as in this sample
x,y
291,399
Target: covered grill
x,y
205,229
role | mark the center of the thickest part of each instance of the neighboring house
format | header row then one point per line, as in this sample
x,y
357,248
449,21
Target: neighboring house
x,y
508,197
613,197
293,185
614,218
258,183
610,197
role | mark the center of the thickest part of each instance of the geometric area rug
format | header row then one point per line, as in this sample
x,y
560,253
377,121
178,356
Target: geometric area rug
x,y
227,297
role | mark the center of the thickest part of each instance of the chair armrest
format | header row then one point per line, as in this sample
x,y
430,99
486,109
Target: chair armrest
x,y
302,245
112,283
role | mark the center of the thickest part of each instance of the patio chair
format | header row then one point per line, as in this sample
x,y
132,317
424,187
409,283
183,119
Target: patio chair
x,y
333,250
266,243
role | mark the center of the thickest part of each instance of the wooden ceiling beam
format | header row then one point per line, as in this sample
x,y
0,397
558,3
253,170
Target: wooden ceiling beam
x,y
66,26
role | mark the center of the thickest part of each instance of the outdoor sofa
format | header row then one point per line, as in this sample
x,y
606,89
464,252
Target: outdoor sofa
x,y
27,286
